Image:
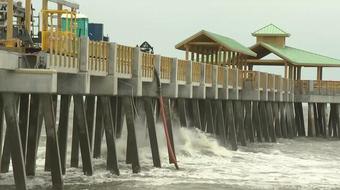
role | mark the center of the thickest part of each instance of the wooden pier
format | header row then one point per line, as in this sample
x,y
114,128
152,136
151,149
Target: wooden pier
x,y
215,89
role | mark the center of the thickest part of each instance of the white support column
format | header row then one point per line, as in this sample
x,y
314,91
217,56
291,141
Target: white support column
x,y
84,54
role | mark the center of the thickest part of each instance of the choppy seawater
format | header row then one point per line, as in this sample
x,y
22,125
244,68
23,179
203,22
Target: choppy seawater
x,y
302,163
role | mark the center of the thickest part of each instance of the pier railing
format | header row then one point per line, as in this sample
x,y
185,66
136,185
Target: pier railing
x,y
66,55
148,65
98,58
63,53
317,87
220,76
182,70
208,74
196,73
165,68
125,57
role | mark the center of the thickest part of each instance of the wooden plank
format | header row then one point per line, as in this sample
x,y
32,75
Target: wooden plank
x,y
34,132
112,160
48,111
148,105
11,112
63,129
132,150
84,140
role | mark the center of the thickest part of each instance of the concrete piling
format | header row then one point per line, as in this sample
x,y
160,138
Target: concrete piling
x,y
149,110
271,125
131,149
239,122
112,160
63,129
11,112
53,148
248,123
34,131
277,122
230,124
257,121
84,141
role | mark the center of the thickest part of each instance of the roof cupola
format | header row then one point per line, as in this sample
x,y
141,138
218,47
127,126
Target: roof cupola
x,y
271,34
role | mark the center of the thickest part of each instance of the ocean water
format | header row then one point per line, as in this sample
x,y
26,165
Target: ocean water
x,y
301,163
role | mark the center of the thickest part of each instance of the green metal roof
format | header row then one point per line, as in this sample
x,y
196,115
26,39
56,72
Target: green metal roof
x,y
228,43
270,30
301,57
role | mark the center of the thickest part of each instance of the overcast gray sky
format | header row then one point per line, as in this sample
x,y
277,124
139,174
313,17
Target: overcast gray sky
x,y
313,24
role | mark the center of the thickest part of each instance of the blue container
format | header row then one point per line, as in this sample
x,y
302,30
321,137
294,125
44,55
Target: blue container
x,y
96,31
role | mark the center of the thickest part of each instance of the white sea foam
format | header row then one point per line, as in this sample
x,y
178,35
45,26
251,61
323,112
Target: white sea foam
x,y
289,164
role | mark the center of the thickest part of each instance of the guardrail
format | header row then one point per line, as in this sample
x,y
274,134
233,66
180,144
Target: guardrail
x,y
240,79
196,72
165,70
251,76
208,73
148,65
63,52
271,82
125,56
263,80
182,70
98,57
220,75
